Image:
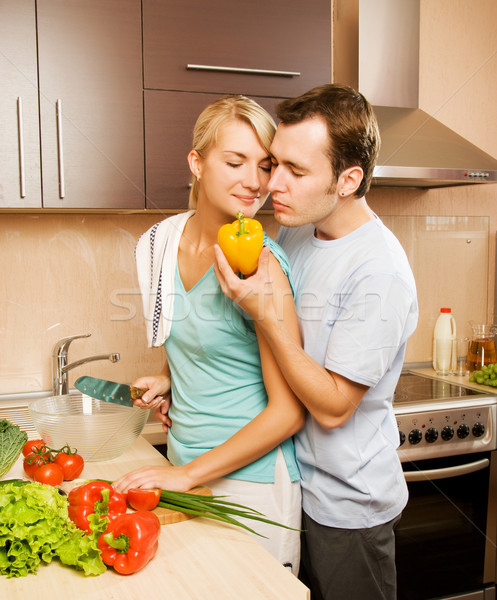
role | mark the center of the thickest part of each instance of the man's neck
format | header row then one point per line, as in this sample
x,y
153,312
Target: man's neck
x,y
348,215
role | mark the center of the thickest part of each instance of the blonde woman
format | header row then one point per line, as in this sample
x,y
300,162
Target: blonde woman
x,y
232,414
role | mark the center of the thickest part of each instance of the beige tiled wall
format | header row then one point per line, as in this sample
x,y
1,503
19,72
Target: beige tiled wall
x,y
449,258
65,274
70,274
449,235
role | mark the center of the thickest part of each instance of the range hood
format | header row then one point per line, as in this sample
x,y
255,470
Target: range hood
x,y
376,50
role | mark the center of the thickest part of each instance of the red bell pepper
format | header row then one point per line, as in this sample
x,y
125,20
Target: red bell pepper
x,y
94,497
131,541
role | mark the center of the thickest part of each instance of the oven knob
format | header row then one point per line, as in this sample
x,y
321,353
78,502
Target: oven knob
x,y
478,429
463,431
415,436
402,437
447,433
431,435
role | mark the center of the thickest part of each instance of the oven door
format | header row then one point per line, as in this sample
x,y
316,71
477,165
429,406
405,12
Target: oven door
x,y
445,540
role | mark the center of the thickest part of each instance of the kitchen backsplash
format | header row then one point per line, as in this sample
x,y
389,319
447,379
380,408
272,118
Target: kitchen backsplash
x,y
449,259
66,274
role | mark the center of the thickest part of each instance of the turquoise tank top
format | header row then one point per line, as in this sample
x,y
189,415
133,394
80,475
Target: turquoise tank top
x,y
216,378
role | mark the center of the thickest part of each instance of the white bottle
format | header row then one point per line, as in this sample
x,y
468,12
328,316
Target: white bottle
x,y
444,343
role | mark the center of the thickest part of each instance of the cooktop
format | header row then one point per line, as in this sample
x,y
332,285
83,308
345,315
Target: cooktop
x,y
439,418
413,388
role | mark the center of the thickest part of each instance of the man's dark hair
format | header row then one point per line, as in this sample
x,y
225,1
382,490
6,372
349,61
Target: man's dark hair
x,y
354,139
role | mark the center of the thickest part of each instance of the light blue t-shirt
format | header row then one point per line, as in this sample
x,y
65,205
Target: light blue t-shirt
x,y
357,306
216,378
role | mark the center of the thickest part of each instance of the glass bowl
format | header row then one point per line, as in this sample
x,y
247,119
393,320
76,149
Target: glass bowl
x,y
98,430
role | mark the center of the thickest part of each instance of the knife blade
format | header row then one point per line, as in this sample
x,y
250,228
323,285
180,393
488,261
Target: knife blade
x,y
109,391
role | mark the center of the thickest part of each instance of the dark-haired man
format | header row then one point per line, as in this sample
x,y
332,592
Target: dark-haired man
x,y
356,301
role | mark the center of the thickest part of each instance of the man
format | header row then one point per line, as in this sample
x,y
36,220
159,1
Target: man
x,y
356,302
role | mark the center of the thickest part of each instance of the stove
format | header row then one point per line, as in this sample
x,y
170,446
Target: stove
x,y
448,435
438,418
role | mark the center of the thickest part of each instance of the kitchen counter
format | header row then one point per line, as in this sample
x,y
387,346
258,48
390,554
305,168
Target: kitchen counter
x,y
457,379
197,559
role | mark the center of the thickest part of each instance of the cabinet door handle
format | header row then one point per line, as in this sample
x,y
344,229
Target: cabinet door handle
x,y
20,133
60,150
242,70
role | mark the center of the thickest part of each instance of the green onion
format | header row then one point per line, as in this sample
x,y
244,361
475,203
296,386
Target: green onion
x,y
211,507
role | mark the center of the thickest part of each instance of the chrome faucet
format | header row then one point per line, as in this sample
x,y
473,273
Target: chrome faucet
x,y
60,367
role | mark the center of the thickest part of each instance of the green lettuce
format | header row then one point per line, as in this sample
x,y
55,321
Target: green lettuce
x,y
35,528
12,439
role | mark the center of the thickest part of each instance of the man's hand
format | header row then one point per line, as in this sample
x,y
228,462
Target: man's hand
x,y
255,293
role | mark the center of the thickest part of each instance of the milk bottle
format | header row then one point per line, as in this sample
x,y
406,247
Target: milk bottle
x,y
444,343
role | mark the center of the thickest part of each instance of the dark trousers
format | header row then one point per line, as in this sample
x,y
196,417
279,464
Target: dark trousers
x,y
348,564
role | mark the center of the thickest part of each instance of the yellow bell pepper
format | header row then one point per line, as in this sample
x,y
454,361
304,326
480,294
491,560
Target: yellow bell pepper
x,y
241,242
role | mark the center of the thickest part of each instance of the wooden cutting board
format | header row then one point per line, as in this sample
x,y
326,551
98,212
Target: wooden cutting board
x,y
167,516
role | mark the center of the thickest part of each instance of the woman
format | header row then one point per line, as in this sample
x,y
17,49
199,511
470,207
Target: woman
x,y
232,413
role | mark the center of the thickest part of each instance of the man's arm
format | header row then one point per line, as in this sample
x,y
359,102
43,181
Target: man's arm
x,y
329,397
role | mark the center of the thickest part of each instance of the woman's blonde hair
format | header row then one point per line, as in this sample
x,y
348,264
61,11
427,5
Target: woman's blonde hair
x,y
224,109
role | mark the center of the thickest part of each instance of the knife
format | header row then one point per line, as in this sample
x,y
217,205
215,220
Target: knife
x,y
109,391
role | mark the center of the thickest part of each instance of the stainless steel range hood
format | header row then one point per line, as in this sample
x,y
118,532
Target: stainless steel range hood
x,y
376,50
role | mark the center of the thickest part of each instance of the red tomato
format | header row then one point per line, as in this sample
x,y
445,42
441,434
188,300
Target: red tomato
x,y
141,499
50,474
31,446
32,462
72,465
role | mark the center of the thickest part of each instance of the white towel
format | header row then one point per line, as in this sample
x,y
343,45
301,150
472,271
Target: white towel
x,y
156,256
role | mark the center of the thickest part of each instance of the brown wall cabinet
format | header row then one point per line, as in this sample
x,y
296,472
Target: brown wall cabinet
x,y
90,121
169,121
72,90
262,47
195,51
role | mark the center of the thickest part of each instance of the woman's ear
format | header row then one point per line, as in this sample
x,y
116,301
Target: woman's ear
x,y
349,181
195,163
